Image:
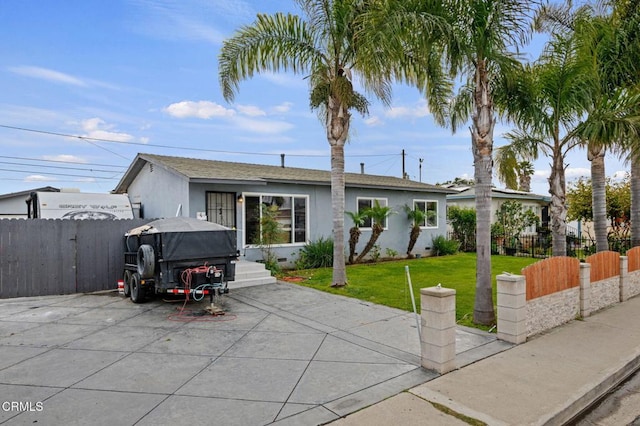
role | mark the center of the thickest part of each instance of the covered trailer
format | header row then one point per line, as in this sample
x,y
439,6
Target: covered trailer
x,y
78,205
178,255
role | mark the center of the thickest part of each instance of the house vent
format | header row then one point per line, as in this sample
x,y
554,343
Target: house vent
x,y
361,168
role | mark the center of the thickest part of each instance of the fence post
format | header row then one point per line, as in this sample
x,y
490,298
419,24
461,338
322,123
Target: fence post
x,y
624,279
585,290
438,333
512,308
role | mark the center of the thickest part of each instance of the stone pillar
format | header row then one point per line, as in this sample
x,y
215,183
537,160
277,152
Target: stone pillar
x,y
512,308
625,291
438,331
585,290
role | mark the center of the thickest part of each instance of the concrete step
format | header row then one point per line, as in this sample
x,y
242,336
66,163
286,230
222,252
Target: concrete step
x,y
250,274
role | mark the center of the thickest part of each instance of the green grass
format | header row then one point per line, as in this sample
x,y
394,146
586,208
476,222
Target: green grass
x,y
386,283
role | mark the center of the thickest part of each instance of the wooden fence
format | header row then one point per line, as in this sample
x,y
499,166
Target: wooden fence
x,y
41,257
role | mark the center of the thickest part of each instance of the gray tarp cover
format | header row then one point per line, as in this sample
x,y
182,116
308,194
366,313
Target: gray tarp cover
x,y
185,238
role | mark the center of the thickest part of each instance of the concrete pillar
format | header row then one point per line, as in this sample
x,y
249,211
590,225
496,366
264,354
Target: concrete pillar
x,y
512,308
625,291
585,290
438,331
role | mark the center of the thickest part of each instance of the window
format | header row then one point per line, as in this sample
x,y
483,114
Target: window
x,y
367,203
290,212
221,208
430,209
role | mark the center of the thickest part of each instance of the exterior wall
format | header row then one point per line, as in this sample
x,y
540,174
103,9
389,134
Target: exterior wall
x,y
160,192
395,237
546,312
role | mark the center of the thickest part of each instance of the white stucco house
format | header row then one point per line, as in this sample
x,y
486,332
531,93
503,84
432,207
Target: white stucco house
x,y
232,193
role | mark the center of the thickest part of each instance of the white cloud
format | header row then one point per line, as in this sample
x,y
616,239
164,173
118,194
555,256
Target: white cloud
x,y
283,107
49,75
199,109
373,121
262,126
250,110
418,110
288,80
96,128
67,158
38,178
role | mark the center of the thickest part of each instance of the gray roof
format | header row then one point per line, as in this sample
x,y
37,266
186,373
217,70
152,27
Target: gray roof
x,y
212,171
510,194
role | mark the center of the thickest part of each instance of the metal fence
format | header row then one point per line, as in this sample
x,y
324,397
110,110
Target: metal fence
x,y
41,257
539,245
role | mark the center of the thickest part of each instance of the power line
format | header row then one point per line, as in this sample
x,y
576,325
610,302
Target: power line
x,y
61,174
58,167
89,139
60,161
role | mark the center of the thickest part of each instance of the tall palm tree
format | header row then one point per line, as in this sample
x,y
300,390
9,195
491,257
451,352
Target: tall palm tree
x,y
484,53
551,96
338,38
513,171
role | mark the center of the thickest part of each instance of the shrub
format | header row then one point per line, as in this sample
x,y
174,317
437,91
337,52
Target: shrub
x,y
316,254
441,246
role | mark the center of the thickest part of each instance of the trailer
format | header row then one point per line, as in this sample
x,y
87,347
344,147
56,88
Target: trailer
x,y
78,205
178,256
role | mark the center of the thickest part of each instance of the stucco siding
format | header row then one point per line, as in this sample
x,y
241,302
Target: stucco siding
x,y
160,192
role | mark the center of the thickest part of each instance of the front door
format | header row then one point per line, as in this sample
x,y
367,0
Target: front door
x,y
221,208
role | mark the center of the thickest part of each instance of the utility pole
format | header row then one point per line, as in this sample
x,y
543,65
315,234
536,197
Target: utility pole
x,y
404,175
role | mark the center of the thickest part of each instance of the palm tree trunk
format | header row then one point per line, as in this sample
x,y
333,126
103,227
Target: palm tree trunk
x,y
482,144
413,238
337,126
558,209
337,207
599,197
376,230
635,201
354,236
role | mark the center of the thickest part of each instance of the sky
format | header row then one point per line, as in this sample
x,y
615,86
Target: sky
x,y
87,85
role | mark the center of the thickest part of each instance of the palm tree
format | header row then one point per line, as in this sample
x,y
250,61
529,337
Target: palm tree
x,y
417,217
488,32
358,219
513,171
339,38
378,215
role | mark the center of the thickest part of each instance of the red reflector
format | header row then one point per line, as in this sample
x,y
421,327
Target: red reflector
x,y
175,291
206,292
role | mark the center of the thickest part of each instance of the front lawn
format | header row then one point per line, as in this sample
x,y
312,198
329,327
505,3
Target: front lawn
x,y
385,283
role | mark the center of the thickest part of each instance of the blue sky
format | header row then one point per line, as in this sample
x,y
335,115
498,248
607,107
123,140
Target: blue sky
x,y
143,75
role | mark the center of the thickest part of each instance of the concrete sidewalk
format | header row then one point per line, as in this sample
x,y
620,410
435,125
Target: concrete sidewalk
x,y
545,381
283,354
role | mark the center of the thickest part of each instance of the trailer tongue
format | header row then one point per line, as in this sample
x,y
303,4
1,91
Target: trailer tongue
x,y
179,256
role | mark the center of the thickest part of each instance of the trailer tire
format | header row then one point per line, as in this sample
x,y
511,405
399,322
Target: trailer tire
x,y
137,292
127,283
146,261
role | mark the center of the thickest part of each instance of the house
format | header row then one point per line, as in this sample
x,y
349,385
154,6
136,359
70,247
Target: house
x,y
539,204
231,193
14,205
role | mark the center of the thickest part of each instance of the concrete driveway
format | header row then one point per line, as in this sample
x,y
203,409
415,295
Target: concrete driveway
x,y
282,354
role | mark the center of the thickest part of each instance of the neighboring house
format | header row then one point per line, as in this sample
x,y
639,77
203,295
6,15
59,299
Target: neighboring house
x,y
539,204
231,194
14,205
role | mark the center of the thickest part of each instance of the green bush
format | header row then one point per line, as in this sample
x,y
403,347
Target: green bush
x,y
441,246
316,254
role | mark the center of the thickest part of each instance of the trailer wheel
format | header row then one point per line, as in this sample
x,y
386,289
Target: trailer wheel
x,y
146,261
137,292
127,283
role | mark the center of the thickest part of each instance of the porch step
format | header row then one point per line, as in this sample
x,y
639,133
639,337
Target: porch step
x,y
250,274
